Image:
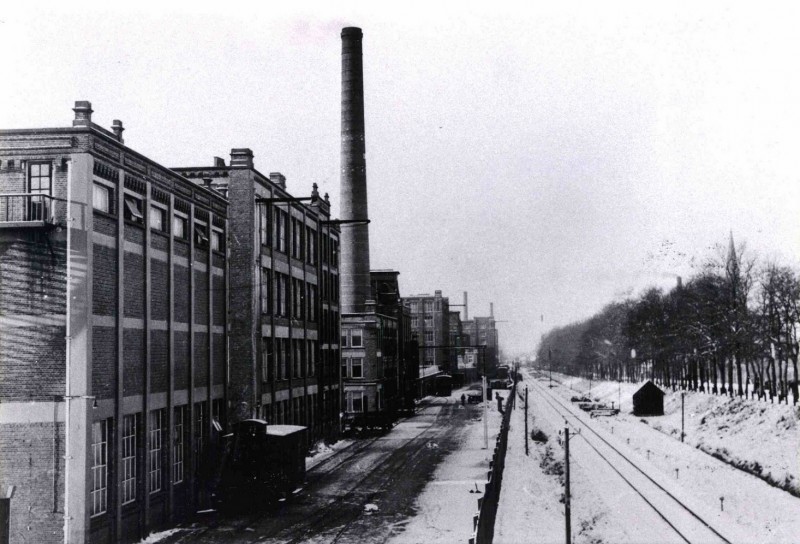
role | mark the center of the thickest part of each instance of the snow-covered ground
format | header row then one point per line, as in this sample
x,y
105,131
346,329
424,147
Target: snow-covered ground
x,y
321,451
754,511
447,504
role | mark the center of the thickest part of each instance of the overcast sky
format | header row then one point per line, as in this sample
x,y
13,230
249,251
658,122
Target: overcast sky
x,y
550,159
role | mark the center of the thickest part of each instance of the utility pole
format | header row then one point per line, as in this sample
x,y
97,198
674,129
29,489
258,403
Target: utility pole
x,y
682,433
526,420
568,523
485,406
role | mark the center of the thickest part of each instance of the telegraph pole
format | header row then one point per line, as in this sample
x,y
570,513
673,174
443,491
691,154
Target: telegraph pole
x,y
526,420
568,523
682,433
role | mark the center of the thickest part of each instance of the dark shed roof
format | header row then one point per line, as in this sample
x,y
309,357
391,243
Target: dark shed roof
x,y
649,388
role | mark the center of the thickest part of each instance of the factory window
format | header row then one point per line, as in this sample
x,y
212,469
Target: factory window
x,y
179,227
428,305
344,339
356,367
415,322
263,224
429,321
311,245
216,241
200,236
40,178
312,357
266,307
101,198
356,401
200,431
414,307
129,428
154,452
158,219
429,337
356,339
99,491
133,209
178,445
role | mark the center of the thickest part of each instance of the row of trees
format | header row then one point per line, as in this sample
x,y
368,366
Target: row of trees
x,y
731,329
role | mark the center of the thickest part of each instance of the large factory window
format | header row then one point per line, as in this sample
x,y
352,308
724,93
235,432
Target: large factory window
x,y
129,428
99,490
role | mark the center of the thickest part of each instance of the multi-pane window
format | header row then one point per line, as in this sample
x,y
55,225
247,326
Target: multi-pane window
x,y
101,198
178,445
263,219
129,427
311,245
281,293
414,307
344,339
158,219
356,340
356,367
99,490
133,209
428,320
428,305
356,399
281,223
415,321
179,227
428,337
265,285
216,241
267,374
155,449
312,358
40,181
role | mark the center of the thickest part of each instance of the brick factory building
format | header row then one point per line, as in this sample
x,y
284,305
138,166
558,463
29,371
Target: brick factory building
x,y
284,320
482,331
430,320
113,429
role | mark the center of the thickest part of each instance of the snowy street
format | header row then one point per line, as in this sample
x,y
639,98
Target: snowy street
x,y
368,491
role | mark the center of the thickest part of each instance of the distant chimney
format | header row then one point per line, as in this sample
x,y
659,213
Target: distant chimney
x,y
466,308
241,158
278,179
219,162
354,264
117,128
491,309
207,182
437,293
680,282
83,114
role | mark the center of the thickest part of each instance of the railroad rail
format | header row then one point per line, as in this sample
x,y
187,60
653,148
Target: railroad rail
x,y
565,411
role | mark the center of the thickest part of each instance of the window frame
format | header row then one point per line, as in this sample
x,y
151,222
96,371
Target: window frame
x,y
133,209
158,212
109,191
353,337
130,426
98,493
155,448
182,232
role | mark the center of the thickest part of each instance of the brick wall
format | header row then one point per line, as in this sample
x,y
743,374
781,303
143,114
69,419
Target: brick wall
x,y
133,359
200,359
32,305
31,457
159,365
104,284
104,362
133,284
159,290
181,360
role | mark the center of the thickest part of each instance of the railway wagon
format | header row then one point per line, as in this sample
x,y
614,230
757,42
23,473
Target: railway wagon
x,y
262,463
444,385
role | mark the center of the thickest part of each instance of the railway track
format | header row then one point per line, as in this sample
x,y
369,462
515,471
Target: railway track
x,y
343,508
671,509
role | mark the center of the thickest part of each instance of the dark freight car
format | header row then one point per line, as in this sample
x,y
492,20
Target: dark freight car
x,y
444,385
263,463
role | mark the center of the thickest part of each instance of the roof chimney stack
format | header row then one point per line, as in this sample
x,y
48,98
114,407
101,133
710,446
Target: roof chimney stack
x,y
278,179
117,128
219,162
354,264
83,113
241,158
466,308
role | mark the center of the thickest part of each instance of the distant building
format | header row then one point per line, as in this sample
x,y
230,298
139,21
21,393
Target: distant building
x,y
114,427
284,312
482,331
430,320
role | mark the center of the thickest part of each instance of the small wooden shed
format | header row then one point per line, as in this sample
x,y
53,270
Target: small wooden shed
x,y
648,400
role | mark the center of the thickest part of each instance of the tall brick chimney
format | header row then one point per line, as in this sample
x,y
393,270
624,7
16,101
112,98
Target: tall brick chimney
x,y
466,308
354,266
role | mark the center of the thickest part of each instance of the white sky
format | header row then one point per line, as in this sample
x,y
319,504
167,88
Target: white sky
x,y
549,158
